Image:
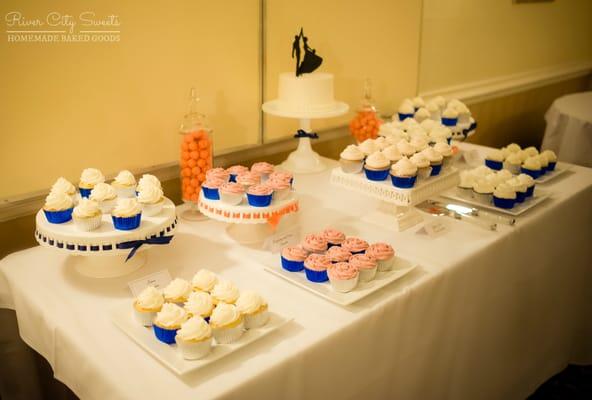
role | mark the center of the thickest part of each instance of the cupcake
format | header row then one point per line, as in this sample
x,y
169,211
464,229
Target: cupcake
x,y
434,110
519,187
465,185
381,143
445,151
531,166
199,304
450,117
435,158
124,184
194,339
225,292
513,163
441,133
235,171
168,321
418,103
544,163
495,159
147,304
63,185
343,277
293,258
440,101
365,264
368,147
127,214
259,195
58,208
355,245
504,196
218,173
483,191
405,111
422,114
210,188
419,142
315,267
392,154
405,148
404,173
264,169
551,159
529,182
376,167
231,193
333,237
424,169
281,188
227,323
315,243
87,215
503,175
88,180
204,280
105,196
253,308
351,159
151,199
338,254
384,255
513,148
148,180
531,151
248,179
282,176
177,291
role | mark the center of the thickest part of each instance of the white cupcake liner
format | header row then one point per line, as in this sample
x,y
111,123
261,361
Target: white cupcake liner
x,y
107,206
424,173
344,286
234,199
466,193
281,194
385,265
256,320
483,198
367,275
87,224
125,191
513,168
194,350
145,318
351,166
228,335
152,209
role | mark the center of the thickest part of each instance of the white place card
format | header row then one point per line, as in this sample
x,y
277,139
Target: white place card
x,y
158,279
281,239
434,229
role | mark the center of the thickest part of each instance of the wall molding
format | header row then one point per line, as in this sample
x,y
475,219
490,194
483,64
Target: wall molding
x,y
489,89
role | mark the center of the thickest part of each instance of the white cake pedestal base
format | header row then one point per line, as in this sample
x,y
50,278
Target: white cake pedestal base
x,y
192,213
304,160
391,216
249,234
104,266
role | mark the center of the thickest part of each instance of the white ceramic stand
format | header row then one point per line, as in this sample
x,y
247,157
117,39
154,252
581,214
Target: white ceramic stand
x,y
102,266
304,160
249,234
192,213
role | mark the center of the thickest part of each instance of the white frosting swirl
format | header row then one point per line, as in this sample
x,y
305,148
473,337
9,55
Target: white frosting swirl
x,y
419,142
483,186
517,184
532,163
352,153
404,168
391,153
150,298
150,194
368,147
450,113
406,108
199,303
170,316
420,160
429,124
64,186
409,124
513,148
550,154
102,192
443,148
531,151
225,291
504,175
440,101
432,155
224,314
90,177
127,208
467,179
377,160
543,160
482,171
250,302
495,155
440,133
57,201
526,179
418,102
422,114
405,148
86,208
514,159
504,191
194,329
148,179
124,178
177,289
204,280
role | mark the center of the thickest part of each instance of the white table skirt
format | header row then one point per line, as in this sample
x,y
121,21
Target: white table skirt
x,y
488,315
569,128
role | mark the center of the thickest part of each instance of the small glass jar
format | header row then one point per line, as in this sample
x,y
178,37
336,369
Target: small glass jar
x,y
366,123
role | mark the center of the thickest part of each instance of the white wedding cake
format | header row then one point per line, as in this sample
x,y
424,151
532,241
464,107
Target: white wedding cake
x,y
307,92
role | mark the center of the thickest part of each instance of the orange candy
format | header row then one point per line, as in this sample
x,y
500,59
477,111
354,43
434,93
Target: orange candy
x,y
365,125
201,163
192,146
195,171
195,160
186,172
191,163
194,154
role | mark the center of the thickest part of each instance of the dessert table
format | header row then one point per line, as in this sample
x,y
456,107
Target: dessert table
x,y
486,314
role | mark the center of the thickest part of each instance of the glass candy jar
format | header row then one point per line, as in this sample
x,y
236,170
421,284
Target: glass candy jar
x,y
366,123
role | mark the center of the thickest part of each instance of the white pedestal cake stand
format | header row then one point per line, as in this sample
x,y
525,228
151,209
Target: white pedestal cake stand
x,y
247,224
396,206
102,253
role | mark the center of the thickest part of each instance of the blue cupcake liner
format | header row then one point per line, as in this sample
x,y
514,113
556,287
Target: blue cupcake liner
x,y
256,200
495,165
473,126
436,170
403,117
534,173
530,191
449,140
164,335
329,245
551,166
520,197
503,203
377,175
126,223
85,193
358,252
211,193
232,178
449,121
59,217
292,266
403,182
316,276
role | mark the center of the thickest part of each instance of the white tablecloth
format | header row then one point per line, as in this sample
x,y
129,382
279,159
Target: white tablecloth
x,y
569,128
488,315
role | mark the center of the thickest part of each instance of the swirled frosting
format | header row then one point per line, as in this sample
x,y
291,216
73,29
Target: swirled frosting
x,y
550,154
513,148
543,160
250,302
484,187
333,236
495,155
514,159
102,192
409,124
150,299
317,262
504,191
57,201
204,280
531,151
237,169
526,179
170,316
262,168
406,108
429,124
352,153
213,182
219,173
277,184
418,102
150,194
517,184
294,253
86,208
503,175
392,153
482,171
532,163
467,179
420,160
338,254
380,251
194,329
354,244
127,208
377,160
90,177
281,176
124,178
362,261
224,314
422,114
443,148
177,289
248,178
405,148
64,186
199,303
260,190
419,142
404,167
432,155
148,179
368,147
314,242
342,271
225,291
232,187
450,113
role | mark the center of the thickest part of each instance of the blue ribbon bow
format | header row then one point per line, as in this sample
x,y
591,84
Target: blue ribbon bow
x,y
302,133
136,244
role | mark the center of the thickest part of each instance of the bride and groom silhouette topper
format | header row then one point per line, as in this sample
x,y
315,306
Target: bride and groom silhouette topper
x,y
311,60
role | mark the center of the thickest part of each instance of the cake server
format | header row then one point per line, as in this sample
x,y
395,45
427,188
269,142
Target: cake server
x,y
475,212
439,209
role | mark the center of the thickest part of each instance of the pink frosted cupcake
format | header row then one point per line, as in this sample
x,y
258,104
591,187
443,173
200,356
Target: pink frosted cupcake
x,y
343,277
231,193
333,236
365,264
248,179
384,255
235,171
315,267
219,173
314,243
293,258
263,168
281,189
282,176
355,245
259,195
210,188
338,254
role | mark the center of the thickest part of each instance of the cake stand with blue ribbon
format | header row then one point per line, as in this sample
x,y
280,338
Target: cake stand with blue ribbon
x,y
107,252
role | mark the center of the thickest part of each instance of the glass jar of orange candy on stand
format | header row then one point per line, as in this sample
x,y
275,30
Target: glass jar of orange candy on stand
x,y
366,123
196,156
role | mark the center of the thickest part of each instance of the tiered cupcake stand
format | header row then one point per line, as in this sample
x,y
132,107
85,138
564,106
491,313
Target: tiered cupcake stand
x,y
103,253
396,205
248,224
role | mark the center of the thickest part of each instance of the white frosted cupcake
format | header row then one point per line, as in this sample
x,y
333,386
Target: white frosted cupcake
x,y
368,147
483,191
58,208
423,165
62,185
422,114
445,151
513,162
253,308
105,195
127,214
465,186
125,184
199,304
89,178
168,321
405,148
177,291
147,304
225,292
351,159
204,280
343,277
148,180
152,199
87,215
227,323
392,154
194,339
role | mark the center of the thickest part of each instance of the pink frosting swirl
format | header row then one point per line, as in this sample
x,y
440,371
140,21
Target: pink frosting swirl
x,y
362,261
354,244
260,190
380,251
317,262
313,242
338,254
219,173
342,271
232,187
281,176
278,185
294,253
333,236
262,168
237,169
248,178
213,183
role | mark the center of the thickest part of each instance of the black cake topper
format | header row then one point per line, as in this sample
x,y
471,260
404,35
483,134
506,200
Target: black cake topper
x,y
311,60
